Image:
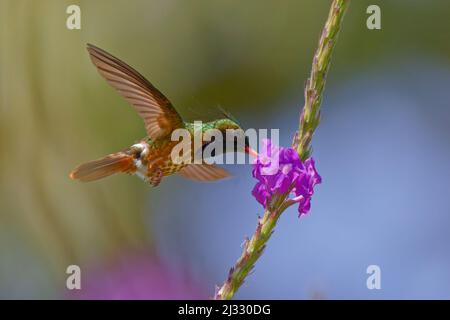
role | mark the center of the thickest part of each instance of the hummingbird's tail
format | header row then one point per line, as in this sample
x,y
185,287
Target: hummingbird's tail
x,y
104,167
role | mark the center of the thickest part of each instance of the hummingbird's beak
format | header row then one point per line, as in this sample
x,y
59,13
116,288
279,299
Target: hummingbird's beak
x,y
249,150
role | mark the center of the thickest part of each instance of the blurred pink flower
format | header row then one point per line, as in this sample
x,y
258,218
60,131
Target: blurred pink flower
x,y
135,277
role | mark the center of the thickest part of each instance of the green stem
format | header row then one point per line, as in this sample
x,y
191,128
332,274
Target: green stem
x,y
309,120
310,117
253,249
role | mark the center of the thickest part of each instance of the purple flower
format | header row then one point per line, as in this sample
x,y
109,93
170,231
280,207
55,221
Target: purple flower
x,y
279,170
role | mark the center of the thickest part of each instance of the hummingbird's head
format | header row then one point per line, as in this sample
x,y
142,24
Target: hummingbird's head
x,y
232,134
226,124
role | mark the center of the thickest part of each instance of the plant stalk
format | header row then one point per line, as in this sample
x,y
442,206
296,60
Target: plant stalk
x,y
309,120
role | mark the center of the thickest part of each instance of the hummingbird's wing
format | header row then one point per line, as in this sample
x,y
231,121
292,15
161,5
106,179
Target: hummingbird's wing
x,y
203,172
160,117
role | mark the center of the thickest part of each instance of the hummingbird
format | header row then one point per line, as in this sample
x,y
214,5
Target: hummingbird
x,y
149,158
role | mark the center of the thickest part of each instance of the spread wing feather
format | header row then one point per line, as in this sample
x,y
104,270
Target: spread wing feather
x,y
203,172
159,116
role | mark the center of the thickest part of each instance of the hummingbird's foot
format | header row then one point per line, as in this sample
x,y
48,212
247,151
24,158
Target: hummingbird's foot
x,y
156,178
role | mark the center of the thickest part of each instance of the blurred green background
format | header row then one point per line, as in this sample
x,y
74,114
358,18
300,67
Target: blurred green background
x,y
57,112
